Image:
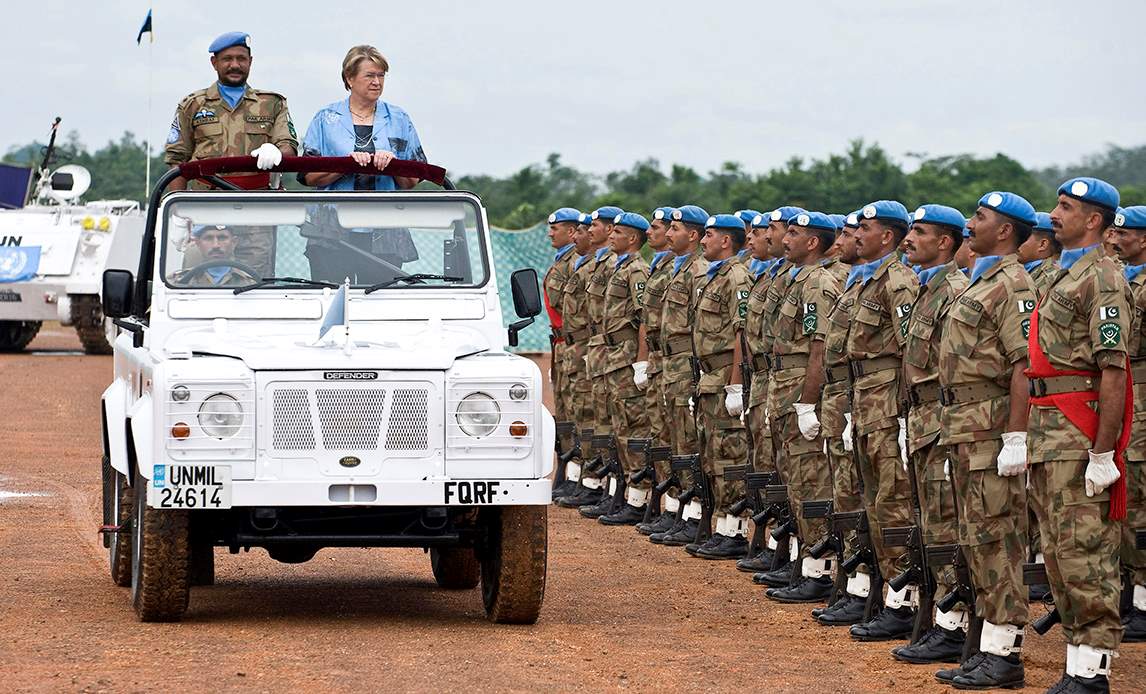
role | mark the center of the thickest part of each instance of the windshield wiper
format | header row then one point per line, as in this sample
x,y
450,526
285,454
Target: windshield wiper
x,y
417,277
268,281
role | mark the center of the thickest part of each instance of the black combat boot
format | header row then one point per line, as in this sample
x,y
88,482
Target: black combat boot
x,y
890,624
626,515
694,547
806,590
582,496
947,676
685,535
817,611
774,578
601,508
846,611
759,562
662,524
563,488
992,672
728,547
1135,624
938,645
1073,684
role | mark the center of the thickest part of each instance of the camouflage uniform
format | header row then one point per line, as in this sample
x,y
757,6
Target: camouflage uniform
x,y
839,270
576,332
1044,274
676,349
234,278
721,307
847,491
773,298
206,126
875,342
621,329
554,284
800,322
658,411
984,336
1082,323
759,354
1135,559
935,494
597,286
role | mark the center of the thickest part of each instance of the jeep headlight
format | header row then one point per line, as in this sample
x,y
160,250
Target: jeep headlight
x,y
220,416
478,415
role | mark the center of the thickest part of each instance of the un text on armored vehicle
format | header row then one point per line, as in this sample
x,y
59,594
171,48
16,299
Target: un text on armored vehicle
x,y
355,392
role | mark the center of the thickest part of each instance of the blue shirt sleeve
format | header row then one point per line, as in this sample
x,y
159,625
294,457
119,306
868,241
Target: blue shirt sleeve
x,y
414,151
313,143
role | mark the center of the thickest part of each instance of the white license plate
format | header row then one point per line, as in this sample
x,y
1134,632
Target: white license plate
x,y
190,486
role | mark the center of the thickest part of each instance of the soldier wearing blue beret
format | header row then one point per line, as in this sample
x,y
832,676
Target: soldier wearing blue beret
x,y
1039,253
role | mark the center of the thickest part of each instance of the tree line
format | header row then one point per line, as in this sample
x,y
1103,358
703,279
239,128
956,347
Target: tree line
x,y
839,183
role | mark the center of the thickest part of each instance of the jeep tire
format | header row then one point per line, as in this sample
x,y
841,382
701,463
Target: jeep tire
x,y
161,560
121,513
455,568
95,332
16,334
513,563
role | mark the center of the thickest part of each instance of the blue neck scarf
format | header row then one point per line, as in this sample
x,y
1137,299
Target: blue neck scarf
x,y
217,273
678,261
853,276
657,258
926,274
867,270
231,94
1132,271
601,252
561,252
776,266
715,268
917,269
581,260
1073,255
1032,265
620,259
982,264
757,267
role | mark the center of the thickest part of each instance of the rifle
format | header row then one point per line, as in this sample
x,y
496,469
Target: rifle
x,y
964,592
746,389
833,540
652,455
864,553
699,490
754,483
563,458
1140,538
611,466
1035,574
776,496
917,572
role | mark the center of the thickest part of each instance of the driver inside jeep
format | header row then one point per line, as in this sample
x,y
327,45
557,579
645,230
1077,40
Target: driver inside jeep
x,y
216,245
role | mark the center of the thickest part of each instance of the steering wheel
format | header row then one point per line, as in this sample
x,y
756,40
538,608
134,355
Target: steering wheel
x,y
222,262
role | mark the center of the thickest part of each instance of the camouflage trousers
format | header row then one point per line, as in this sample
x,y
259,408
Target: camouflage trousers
x,y
847,494
886,491
809,478
559,376
629,419
1134,559
1081,547
992,530
682,424
936,508
725,445
582,398
659,417
763,453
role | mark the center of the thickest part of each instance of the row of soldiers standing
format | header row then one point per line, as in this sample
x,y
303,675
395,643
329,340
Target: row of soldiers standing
x,y
840,380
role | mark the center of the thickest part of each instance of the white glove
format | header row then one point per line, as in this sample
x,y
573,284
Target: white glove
x,y
691,406
1101,472
807,421
268,156
640,378
947,469
1012,459
903,441
734,399
849,446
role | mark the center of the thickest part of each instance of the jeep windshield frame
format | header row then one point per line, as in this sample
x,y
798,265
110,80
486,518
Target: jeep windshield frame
x,y
427,232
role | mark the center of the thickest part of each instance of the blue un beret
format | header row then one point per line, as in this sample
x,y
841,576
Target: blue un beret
x,y
939,214
747,216
814,220
690,214
785,214
853,219
886,209
1014,206
839,220
607,213
1043,223
565,214
664,213
1092,190
231,38
724,221
632,219
1133,217
585,218
198,229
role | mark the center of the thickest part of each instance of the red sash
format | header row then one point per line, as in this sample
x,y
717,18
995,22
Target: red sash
x,y
1075,407
554,315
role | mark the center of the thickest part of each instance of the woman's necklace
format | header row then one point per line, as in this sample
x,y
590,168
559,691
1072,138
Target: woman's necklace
x,y
361,141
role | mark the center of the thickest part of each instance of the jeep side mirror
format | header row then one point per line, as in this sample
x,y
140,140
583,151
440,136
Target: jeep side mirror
x,y
526,301
118,286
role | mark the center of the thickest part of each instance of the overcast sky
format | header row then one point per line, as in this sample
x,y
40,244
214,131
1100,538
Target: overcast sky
x,y
493,86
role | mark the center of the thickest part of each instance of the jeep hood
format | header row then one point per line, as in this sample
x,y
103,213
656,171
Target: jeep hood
x,y
421,345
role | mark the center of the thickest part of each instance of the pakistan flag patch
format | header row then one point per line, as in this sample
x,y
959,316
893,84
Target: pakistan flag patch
x,y
1109,334
809,323
742,302
640,293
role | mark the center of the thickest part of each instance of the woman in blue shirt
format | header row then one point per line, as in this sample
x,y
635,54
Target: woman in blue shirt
x,y
372,132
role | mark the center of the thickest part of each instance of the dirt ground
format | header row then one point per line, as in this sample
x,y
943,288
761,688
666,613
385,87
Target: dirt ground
x,y
620,613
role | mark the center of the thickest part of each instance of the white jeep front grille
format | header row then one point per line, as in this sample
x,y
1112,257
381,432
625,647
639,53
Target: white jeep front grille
x,y
346,418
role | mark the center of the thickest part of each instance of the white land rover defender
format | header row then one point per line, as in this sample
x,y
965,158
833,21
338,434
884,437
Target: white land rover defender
x,y
358,395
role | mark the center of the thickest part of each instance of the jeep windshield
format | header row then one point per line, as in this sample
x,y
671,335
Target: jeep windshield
x,y
304,242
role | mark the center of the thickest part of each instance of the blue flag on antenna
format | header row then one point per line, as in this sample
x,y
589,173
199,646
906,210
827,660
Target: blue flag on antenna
x,y
145,29
336,312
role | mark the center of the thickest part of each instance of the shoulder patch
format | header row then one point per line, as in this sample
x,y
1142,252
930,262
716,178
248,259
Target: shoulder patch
x,y
1025,305
1108,312
903,311
1109,334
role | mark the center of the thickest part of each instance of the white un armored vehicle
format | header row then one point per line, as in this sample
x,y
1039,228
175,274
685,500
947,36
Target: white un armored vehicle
x,y
293,410
53,253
